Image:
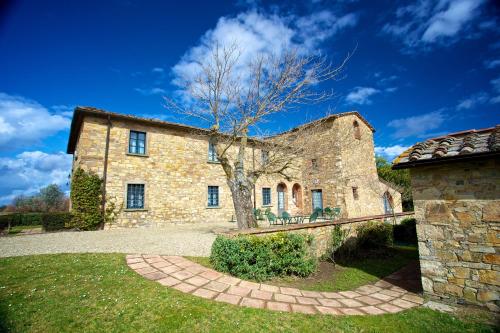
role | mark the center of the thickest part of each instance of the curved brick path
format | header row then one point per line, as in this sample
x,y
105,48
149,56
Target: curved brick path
x,y
182,274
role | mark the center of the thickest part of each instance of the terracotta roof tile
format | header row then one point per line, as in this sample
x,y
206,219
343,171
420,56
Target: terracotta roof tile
x,y
454,146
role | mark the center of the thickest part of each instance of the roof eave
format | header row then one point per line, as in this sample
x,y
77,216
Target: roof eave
x,y
444,160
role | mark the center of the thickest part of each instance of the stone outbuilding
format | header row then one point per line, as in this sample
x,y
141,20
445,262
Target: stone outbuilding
x,y
456,194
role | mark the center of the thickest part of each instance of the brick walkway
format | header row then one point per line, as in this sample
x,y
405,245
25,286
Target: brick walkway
x,y
384,296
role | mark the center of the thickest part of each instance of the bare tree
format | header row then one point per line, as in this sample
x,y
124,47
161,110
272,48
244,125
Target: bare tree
x,y
234,98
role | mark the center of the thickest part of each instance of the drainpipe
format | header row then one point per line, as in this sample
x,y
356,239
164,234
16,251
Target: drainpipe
x,y
105,171
253,169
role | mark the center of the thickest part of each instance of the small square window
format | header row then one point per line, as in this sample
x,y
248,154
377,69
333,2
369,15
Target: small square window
x,y
264,156
135,196
212,153
314,164
213,196
355,193
266,196
137,143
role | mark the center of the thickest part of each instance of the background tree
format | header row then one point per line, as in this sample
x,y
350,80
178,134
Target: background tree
x,y
399,178
50,199
234,97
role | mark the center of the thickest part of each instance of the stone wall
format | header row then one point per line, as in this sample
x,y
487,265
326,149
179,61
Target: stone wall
x,y
322,230
457,207
176,172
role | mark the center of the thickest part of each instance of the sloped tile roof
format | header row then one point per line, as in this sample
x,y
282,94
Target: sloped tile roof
x,y
81,111
455,146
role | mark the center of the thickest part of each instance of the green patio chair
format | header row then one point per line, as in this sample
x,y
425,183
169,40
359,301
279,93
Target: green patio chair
x,y
318,211
272,219
328,212
336,213
313,217
287,219
257,213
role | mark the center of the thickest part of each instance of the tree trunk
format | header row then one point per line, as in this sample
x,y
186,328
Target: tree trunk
x,y
242,200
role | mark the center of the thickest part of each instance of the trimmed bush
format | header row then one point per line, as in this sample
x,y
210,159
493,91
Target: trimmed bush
x,y
55,221
374,235
260,258
23,219
406,231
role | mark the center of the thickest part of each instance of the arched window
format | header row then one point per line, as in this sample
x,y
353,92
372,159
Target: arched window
x,y
357,132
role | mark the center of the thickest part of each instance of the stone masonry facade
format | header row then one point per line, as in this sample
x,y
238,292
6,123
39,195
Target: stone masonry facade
x,y
457,208
176,173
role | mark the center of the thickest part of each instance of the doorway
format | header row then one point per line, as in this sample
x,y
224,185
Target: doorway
x,y
281,189
317,199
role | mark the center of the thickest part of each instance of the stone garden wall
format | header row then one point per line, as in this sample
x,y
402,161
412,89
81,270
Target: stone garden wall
x,y
457,208
322,230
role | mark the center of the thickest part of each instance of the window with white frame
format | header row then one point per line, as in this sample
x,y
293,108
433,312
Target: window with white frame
x,y
213,196
135,196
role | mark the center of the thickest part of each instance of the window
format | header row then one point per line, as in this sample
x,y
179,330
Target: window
x,y
355,193
137,143
212,154
266,196
135,196
357,133
314,164
213,196
264,156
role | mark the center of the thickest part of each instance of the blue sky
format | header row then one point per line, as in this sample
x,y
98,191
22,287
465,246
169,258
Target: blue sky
x,y
420,69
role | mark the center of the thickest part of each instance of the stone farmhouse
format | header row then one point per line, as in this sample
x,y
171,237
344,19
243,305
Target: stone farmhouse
x,y
456,194
161,172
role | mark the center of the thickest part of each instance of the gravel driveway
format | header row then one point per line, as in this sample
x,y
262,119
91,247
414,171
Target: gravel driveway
x,y
181,239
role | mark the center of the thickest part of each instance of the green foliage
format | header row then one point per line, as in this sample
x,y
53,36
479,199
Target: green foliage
x,y
52,197
374,235
258,214
20,219
400,178
86,191
337,239
55,221
260,258
49,199
406,231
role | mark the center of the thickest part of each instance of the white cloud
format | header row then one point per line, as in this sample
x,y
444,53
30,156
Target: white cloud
x,y
27,172
24,122
450,21
417,125
257,33
158,70
64,110
390,152
361,95
473,101
495,83
491,64
150,91
428,22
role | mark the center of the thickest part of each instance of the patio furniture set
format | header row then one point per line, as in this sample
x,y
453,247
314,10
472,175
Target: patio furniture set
x,y
319,215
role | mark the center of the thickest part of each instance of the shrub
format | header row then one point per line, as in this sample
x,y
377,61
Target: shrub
x,y
86,200
373,235
55,221
260,258
16,219
406,231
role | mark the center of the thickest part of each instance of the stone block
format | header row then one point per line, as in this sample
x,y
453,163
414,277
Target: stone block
x,y
492,258
488,295
470,294
491,211
489,277
454,289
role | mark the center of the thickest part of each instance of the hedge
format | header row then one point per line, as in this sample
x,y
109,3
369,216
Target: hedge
x,y
21,219
56,221
260,258
374,235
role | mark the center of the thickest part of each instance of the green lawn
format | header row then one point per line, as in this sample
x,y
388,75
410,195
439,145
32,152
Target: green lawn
x,y
99,293
348,274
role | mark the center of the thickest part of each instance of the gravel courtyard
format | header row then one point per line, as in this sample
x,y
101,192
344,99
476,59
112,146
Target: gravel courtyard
x,y
180,239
